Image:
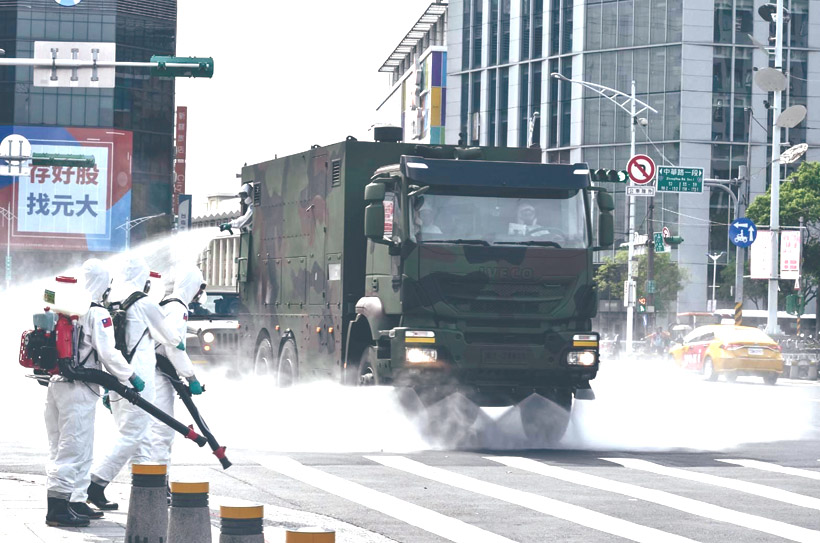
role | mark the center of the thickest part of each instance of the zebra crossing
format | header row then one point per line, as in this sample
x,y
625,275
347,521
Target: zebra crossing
x,y
658,507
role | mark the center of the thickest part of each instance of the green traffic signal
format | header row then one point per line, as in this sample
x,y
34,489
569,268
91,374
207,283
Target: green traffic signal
x,y
673,240
182,66
791,304
602,175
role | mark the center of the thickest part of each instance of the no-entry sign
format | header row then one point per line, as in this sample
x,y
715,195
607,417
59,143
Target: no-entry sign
x,y
641,169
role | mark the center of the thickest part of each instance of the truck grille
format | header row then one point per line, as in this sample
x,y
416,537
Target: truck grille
x,y
503,297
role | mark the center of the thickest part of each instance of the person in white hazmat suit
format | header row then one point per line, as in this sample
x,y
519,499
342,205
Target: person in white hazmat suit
x,y
188,287
145,326
246,219
71,405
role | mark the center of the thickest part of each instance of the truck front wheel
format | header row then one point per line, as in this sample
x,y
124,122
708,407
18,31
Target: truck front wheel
x,y
368,376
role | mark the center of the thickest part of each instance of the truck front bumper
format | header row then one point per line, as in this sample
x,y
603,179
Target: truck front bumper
x,y
436,357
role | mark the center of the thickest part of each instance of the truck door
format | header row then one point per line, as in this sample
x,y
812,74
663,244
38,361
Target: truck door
x,y
316,221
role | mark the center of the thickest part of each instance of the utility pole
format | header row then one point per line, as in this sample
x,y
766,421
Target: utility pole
x,y
771,322
629,104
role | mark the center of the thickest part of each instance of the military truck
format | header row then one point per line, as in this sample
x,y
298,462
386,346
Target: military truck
x,y
436,268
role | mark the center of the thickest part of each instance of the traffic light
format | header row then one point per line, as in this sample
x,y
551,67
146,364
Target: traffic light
x,y
182,66
602,175
795,304
673,240
641,305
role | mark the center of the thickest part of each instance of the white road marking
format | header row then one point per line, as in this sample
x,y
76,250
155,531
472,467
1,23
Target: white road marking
x,y
768,466
542,504
755,489
414,515
687,505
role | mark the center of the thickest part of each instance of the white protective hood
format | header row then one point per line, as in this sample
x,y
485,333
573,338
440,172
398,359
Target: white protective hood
x,y
187,284
135,274
97,278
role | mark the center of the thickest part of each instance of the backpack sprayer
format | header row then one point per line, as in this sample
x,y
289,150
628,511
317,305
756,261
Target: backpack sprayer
x,y
52,348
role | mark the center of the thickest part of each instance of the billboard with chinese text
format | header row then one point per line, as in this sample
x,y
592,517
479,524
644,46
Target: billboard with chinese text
x,y
71,208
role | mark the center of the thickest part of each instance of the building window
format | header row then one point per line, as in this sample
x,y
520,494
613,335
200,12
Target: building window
x,y
503,105
525,29
504,56
477,43
523,105
493,33
493,84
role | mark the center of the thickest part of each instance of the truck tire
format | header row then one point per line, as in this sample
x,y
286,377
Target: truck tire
x,y
287,373
263,362
545,420
368,375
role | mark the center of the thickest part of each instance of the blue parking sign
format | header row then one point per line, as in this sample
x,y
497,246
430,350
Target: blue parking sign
x,y
742,232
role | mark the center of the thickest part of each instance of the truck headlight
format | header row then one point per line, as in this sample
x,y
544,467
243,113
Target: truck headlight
x,y
581,358
208,337
420,355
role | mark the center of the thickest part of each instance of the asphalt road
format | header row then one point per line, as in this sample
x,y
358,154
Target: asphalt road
x,y
658,456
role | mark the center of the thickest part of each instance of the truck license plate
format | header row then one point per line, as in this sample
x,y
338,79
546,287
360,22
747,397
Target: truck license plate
x,y
755,351
504,356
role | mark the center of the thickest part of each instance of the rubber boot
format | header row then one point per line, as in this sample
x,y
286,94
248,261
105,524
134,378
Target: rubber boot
x,y
60,515
96,497
82,509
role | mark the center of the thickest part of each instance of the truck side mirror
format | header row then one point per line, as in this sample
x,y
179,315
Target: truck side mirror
x,y
605,201
606,229
374,222
374,212
606,223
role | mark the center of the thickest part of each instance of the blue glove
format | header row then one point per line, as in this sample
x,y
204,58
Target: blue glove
x,y
106,401
139,384
181,346
194,386
225,226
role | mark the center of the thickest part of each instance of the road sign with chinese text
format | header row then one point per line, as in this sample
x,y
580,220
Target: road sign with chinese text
x,y
789,254
660,246
680,179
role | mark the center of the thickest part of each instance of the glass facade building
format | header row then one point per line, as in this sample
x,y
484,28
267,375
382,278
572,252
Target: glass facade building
x,y
139,103
693,61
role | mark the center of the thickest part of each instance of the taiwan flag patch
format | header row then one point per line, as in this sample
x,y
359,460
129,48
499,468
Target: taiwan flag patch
x,y
185,317
106,322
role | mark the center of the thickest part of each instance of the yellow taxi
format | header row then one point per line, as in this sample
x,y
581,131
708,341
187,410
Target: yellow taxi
x,y
729,350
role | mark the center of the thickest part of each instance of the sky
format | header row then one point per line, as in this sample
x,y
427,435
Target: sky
x,y
287,75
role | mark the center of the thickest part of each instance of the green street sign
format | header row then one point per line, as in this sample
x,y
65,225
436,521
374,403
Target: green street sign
x,y
680,179
651,286
660,246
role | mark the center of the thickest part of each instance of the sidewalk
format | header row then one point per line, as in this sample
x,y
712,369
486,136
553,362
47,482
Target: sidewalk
x,y
23,516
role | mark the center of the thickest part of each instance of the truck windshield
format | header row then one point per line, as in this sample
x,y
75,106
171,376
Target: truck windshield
x,y
557,221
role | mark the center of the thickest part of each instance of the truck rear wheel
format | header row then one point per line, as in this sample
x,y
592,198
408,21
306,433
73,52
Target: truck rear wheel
x,y
287,373
263,363
545,420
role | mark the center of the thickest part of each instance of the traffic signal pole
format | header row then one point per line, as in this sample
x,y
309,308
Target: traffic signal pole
x,y
630,303
771,322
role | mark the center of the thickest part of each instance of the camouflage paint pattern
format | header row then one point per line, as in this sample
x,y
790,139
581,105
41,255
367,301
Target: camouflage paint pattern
x,y
503,316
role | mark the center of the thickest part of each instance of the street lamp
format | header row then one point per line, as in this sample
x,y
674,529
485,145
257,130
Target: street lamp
x,y
131,224
9,216
627,103
715,257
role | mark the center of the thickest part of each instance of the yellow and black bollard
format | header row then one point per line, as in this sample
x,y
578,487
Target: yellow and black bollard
x,y
241,524
148,506
189,520
739,314
310,535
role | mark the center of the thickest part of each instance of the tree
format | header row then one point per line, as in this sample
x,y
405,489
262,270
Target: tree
x,y
669,278
799,197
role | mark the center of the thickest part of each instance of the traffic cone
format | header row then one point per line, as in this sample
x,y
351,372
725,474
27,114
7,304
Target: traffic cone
x,y
241,524
189,520
148,506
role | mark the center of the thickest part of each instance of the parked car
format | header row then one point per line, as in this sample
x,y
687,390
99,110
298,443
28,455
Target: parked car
x,y
213,329
730,351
